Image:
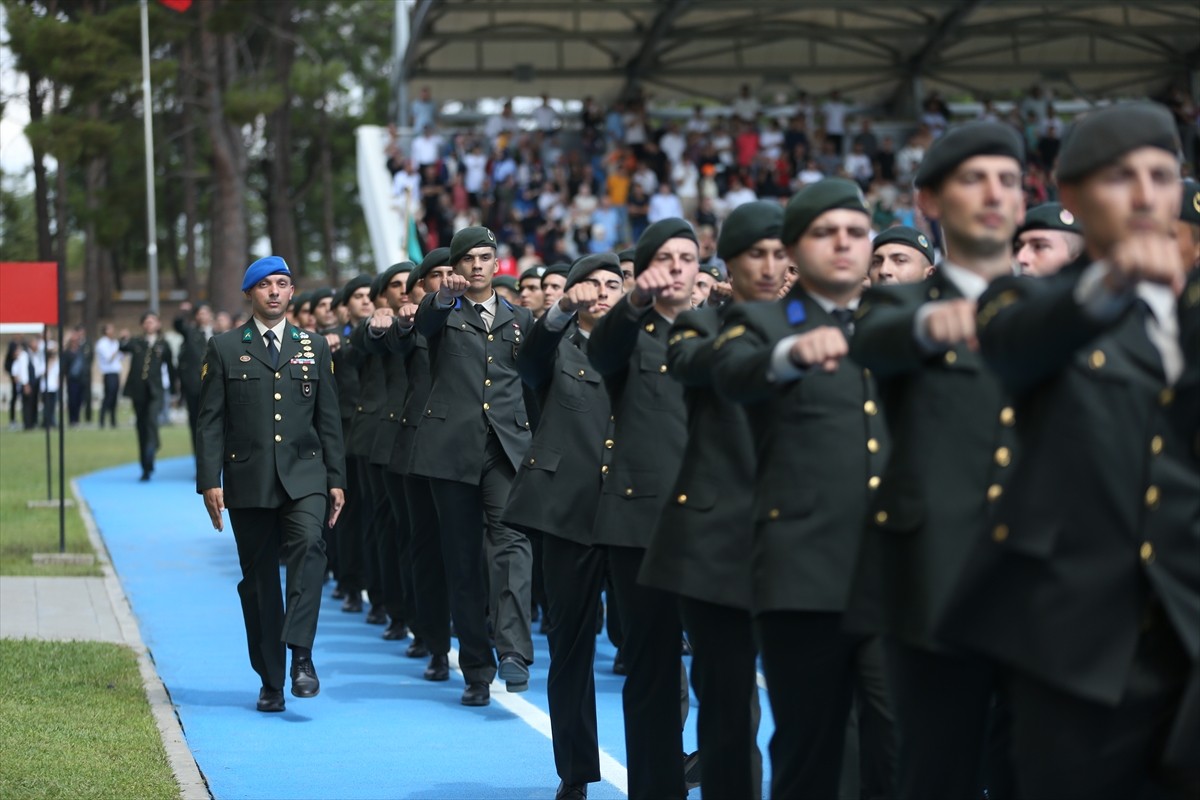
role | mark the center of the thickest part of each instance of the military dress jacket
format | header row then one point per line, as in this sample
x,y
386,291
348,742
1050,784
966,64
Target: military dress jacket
x,y
557,487
701,547
391,408
819,442
1100,522
372,394
268,433
629,349
191,356
146,361
952,443
475,387
346,361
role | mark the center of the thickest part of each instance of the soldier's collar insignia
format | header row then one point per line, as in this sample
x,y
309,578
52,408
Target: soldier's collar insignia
x,y
247,336
796,313
650,327
204,370
295,335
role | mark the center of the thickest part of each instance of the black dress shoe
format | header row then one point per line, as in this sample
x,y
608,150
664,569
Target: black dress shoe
x,y
691,770
476,694
377,616
396,631
619,664
417,649
338,593
571,791
353,602
514,672
145,477
438,669
270,699
686,648
304,677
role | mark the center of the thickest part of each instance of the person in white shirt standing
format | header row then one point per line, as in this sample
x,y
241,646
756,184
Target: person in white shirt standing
x,y
834,112
108,358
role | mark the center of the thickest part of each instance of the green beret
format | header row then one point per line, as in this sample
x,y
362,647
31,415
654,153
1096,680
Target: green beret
x,y
965,141
656,236
902,234
747,224
1100,137
814,200
352,286
588,264
320,294
717,269
536,271
1049,217
557,269
438,257
628,254
467,239
299,301
1190,210
379,285
505,282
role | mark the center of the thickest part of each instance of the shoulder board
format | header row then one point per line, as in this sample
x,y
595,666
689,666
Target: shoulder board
x,y
732,333
795,312
679,337
995,305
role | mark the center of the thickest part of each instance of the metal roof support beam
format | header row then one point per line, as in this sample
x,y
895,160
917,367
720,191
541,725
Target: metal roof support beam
x,y
418,29
907,97
648,53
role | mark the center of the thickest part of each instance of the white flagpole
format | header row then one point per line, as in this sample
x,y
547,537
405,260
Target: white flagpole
x,y
147,119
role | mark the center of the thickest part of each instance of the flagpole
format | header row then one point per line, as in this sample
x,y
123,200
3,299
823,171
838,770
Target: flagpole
x,y
147,119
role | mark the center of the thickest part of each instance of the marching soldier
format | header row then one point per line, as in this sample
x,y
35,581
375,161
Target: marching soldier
x,y
196,332
269,448
1187,229
819,443
701,547
951,426
554,496
1089,584
900,255
148,354
1047,240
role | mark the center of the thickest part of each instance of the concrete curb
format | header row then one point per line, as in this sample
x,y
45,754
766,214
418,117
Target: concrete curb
x,y
192,785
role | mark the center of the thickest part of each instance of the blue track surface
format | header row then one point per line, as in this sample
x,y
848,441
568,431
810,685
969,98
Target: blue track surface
x,y
377,730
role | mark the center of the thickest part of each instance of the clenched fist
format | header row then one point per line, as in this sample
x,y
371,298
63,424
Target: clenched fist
x,y
406,315
580,297
382,319
1150,256
453,287
821,348
952,322
653,281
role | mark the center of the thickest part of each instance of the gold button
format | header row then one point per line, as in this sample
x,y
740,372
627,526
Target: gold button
x,y
1007,416
486,406
391,415
581,373
1003,456
1156,445
681,499
1166,396
663,368
628,492
243,375
608,443
278,438
491,338
276,376
359,408
1146,551
872,445
951,356
487,382
866,373
604,470
880,518
233,455
428,411
1152,497
870,408
304,369
403,420
1000,532
278,396
489,359
874,482
278,417
935,293
994,492
532,461
773,513
650,328
1096,359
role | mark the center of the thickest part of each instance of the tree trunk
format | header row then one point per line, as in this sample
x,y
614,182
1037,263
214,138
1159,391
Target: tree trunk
x,y
328,232
187,69
281,214
93,266
41,191
229,169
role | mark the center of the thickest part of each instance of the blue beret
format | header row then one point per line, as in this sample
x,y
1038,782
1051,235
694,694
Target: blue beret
x,y
269,265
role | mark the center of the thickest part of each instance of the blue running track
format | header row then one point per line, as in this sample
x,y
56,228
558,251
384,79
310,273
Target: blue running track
x,y
377,730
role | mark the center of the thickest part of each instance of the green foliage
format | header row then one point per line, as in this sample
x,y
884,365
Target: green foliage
x,y
245,103
74,722
18,231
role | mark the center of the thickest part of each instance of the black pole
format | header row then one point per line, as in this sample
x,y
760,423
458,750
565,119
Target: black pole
x,y
45,379
62,447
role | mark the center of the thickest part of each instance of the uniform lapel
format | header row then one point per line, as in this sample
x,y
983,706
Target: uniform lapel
x,y
254,344
466,311
293,345
504,314
1131,336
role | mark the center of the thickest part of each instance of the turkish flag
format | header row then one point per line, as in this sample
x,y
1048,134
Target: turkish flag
x,y
29,292
177,5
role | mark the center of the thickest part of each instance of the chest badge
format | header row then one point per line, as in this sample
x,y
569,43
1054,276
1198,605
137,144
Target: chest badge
x,y
306,389
244,358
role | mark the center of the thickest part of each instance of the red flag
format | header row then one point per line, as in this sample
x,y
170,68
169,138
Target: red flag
x,y
29,292
177,5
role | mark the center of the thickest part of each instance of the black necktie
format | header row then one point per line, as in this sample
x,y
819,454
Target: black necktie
x,y
481,310
272,350
845,318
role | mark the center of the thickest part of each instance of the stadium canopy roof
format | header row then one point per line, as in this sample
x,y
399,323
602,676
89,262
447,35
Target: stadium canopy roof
x,y
879,52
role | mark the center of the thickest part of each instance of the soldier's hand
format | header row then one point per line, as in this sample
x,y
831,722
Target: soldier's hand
x,y
453,287
337,499
650,284
952,322
580,297
214,502
124,334
821,348
381,320
334,341
720,292
1151,256
406,317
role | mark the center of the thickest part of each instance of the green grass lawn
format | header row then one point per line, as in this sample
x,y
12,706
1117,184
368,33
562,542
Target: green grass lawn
x,y
74,723
25,531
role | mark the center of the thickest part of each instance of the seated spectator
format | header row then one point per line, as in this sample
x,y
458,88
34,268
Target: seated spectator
x,y
738,193
858,166
829,160
606,228
664,204
698,123
672,144
908,159
771,140
745,143
810,174
426,148
866,137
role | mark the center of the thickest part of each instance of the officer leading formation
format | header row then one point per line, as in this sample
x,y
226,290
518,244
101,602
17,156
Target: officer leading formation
x,y
953,505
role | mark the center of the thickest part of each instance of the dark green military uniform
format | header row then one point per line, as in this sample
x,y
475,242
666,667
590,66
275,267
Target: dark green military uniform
x,y
271,437
191,356
144,388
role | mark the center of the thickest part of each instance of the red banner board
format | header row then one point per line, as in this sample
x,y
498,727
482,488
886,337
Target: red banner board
x,y
29,292
177,5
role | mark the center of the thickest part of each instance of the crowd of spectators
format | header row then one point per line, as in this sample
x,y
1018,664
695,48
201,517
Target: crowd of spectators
x,y
554,188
